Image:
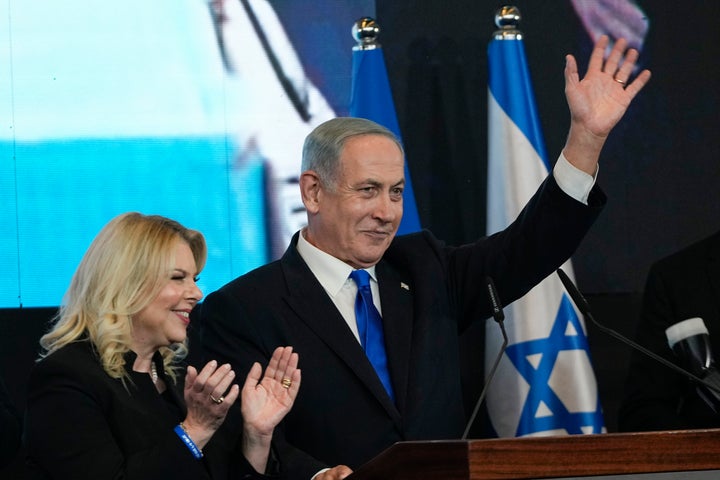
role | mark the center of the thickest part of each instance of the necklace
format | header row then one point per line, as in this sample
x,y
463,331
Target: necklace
x,y
153,373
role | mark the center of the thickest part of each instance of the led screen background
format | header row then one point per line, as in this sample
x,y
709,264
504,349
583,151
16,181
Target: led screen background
x,y
165,107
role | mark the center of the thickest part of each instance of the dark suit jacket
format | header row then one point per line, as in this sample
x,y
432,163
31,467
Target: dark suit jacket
x,y
82,424
683,285
429,293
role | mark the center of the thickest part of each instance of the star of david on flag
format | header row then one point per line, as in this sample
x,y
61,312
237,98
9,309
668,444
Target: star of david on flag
x,y
545,384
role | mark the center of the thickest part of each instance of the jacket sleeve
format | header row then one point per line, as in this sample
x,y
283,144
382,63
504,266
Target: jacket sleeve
x,y
71,431
544,235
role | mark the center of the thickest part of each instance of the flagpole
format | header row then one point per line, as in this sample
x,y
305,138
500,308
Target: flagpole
x,y
371,98
507,19
365,32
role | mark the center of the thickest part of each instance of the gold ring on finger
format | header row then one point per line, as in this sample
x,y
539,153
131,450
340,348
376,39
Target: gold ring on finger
x,y
217,401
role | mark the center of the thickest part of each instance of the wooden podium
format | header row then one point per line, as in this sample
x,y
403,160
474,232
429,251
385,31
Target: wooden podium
x,y
547,457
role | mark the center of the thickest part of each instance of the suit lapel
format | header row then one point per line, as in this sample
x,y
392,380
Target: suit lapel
x,y
313,306
397,311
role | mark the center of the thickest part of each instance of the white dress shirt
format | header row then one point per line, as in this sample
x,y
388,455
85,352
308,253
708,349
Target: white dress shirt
x,y
334,276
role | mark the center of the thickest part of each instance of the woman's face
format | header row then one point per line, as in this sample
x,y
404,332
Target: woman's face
x,y
164,321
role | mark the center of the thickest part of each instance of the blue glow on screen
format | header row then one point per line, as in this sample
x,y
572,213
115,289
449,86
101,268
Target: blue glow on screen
x,y
67,192
110,107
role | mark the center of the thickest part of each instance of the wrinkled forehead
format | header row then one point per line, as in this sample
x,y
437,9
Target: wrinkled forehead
x,y
373,156
377,136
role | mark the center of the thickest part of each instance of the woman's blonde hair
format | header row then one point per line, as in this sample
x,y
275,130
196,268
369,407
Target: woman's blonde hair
x,y
123,270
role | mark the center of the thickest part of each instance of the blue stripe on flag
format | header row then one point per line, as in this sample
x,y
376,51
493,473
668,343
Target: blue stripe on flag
x,y
509,81
371,98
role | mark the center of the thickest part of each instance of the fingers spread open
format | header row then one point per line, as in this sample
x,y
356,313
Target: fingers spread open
x,y
598,54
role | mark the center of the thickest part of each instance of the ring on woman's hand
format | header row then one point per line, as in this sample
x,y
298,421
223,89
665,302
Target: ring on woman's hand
x,y
217,401
619,81
286,382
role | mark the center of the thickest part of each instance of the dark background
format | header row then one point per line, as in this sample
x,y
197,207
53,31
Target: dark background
x,y
660,168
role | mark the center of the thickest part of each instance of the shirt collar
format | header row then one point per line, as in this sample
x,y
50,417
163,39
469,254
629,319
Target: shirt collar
x,y
331,272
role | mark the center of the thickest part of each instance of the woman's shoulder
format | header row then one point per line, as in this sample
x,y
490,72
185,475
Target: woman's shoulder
x,y
80,351
74,359
75,369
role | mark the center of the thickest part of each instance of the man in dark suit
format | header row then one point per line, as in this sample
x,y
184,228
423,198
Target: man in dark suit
x,y
681,286
426,292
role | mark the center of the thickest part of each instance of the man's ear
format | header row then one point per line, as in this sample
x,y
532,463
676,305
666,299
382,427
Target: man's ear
x,y
310,190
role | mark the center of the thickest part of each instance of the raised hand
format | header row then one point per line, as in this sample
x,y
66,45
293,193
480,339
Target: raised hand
x,y
599,100
265,401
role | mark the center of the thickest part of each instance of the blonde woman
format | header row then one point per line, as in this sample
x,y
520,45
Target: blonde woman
x,y
109,398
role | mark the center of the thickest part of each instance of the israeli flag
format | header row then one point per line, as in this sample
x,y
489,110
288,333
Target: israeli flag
x,y
371,98
545,384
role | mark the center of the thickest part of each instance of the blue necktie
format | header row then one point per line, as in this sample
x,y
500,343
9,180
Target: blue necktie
x,y
369,323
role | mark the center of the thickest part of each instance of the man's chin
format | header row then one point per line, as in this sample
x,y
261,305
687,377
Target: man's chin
x,y
372,255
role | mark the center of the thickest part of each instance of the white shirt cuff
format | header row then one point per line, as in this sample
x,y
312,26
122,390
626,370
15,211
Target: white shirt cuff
x,y
572,180
318,473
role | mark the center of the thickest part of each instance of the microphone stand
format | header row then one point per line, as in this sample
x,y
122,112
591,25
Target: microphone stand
x,y
499,317
584,308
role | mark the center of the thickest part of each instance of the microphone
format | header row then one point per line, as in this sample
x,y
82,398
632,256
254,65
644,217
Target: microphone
x,y
690,341
498,313
584,308
499,316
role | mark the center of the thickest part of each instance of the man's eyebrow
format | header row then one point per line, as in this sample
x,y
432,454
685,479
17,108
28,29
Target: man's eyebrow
x,y
378,183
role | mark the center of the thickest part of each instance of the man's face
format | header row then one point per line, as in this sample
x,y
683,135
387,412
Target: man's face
x,y
357,219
